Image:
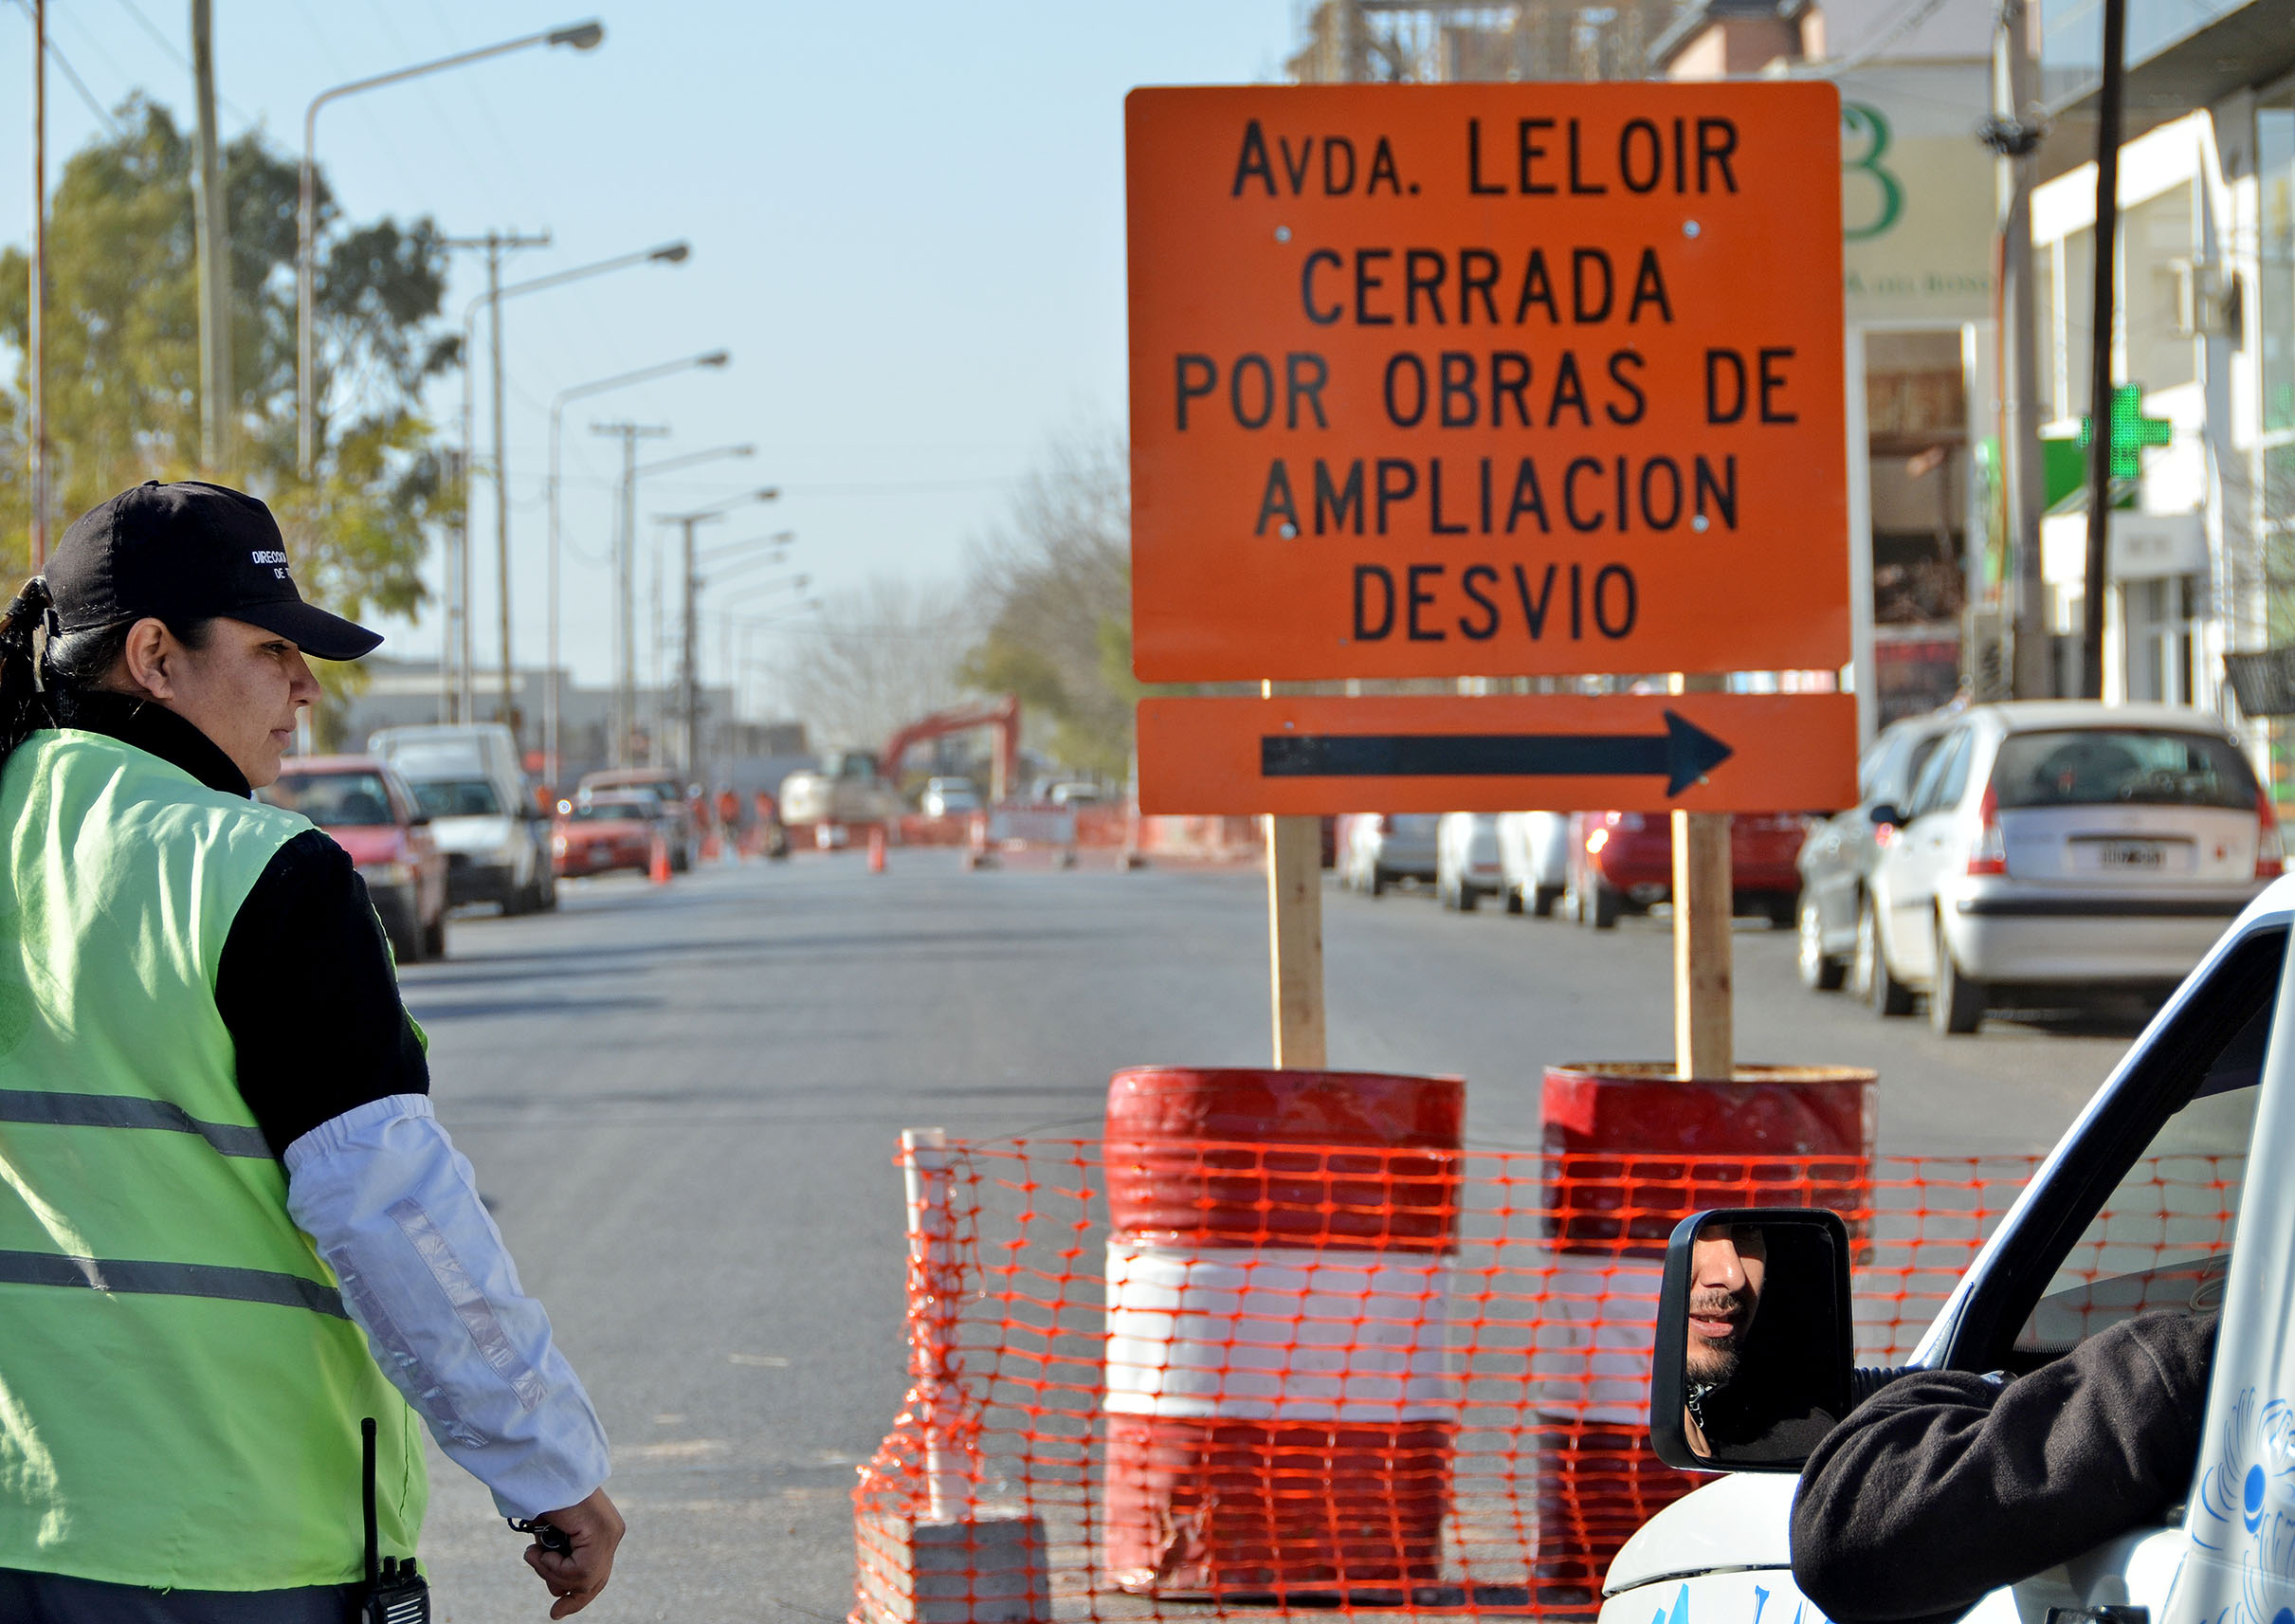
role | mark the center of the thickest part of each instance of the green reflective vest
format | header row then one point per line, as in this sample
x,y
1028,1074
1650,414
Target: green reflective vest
x,y
180,1390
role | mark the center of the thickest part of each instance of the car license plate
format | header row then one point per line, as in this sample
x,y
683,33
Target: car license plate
x,y
2149,855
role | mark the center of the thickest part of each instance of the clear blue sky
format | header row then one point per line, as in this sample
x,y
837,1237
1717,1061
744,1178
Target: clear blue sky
x,y
907,222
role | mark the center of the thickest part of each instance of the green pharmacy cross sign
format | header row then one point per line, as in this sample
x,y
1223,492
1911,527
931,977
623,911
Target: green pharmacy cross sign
x,y
2131,431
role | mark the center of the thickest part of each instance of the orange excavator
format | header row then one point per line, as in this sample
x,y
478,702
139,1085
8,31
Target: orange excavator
x,y
1003,715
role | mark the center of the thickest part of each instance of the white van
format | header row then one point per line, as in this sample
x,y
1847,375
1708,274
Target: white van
x,y
2213,1075
496,838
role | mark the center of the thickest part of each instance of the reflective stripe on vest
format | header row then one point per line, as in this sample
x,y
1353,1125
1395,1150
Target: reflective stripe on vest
x,y
126,1111
170,1280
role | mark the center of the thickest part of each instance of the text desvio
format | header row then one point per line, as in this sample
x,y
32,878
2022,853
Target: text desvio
x,y
1428,603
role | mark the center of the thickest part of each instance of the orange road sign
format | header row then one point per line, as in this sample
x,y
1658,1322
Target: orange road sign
x,y
1294,755
1485,379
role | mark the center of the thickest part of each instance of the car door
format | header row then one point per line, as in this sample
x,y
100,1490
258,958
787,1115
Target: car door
x,y
1827,872
1905,888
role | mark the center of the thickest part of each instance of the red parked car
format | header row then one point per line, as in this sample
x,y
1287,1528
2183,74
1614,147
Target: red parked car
x,y
372,815
602,833
1623,862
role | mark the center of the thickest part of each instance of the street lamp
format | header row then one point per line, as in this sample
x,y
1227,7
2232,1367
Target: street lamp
x,y
670,254
690,677
579,36
625,684
557,412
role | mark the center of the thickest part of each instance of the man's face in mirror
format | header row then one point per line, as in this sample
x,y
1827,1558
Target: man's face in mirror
x,y
1727,1264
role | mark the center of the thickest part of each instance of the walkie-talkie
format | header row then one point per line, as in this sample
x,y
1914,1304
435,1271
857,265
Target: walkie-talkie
x,y
395,1593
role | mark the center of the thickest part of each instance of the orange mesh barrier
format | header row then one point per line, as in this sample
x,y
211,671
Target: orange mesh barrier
x,y
1410,1385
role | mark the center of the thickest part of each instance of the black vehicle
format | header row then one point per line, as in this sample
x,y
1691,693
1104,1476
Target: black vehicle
x,y
1840,854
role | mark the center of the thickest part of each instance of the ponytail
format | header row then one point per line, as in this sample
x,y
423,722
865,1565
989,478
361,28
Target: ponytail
x,y
23,707
38,678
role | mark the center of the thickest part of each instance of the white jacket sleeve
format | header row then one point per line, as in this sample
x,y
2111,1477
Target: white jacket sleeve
x,y
393,1208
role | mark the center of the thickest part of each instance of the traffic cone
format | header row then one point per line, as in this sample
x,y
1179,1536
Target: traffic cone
x,y
657,868
876,848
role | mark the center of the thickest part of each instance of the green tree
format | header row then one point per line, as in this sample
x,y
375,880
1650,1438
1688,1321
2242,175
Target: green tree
x,y
122,341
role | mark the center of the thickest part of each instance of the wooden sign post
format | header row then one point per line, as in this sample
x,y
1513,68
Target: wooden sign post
x,y
1295,937
1486,380
1703,1023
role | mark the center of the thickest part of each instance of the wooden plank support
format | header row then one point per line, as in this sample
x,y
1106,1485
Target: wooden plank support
x,y
1295,937
1703,1035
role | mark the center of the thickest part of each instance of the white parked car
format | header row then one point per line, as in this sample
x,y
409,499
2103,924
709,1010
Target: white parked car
x,y
1533,859
1465,859
949,798
1375,849
2055,847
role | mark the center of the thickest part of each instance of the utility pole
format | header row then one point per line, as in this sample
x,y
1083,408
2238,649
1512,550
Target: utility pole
x,y
689,674
2101,437
2014,133
624,713
495,244
216,397
36,316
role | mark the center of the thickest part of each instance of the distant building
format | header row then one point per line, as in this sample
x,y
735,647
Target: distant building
x,y
748,754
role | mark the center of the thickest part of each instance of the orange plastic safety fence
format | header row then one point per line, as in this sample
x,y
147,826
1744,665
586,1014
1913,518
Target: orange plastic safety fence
x,y
1256,1380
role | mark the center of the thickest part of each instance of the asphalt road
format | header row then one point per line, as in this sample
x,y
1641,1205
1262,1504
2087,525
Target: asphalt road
x,y
683,1102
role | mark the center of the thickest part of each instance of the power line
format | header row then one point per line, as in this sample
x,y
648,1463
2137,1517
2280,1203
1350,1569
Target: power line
x,y
180,60
71,75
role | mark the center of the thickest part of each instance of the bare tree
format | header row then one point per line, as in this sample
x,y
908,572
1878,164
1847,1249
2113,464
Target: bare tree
x,y
877,656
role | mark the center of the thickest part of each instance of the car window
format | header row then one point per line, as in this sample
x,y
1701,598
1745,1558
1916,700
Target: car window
x,y
334,800
458,797
1924,750
2163,1237
1943,778
604,812
2112,766
1877,768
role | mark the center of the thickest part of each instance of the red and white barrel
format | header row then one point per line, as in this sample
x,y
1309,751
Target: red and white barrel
x,y
1279,1418
1631,1150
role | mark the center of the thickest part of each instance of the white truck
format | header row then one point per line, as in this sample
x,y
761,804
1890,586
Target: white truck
x,y
470,783
2100,1233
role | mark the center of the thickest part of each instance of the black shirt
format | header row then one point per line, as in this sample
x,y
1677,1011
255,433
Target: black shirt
x,y
1946,1484
306,984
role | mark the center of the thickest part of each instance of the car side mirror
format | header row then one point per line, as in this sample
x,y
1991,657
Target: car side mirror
x,y
420,820
1885,812
1753,1362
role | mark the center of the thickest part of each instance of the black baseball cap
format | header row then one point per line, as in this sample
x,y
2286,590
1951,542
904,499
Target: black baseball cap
x,y
185,552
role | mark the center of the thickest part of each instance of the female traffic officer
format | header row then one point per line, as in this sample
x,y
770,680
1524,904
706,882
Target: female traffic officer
x,y
230,1225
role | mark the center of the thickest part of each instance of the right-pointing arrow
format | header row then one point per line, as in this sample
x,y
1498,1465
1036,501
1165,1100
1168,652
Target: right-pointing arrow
x,y
1682,755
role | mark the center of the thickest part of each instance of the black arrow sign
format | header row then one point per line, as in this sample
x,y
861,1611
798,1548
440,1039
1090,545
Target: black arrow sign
x,y
1681,754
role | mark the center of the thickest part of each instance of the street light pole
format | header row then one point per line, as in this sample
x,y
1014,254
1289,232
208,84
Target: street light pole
x,y
580,36
551,762
689,674
36,322
669,253
623,713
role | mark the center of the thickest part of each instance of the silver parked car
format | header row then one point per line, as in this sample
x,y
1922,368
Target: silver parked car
x,y
1533,859
1466,860
2059,846
1838,858
1375,849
